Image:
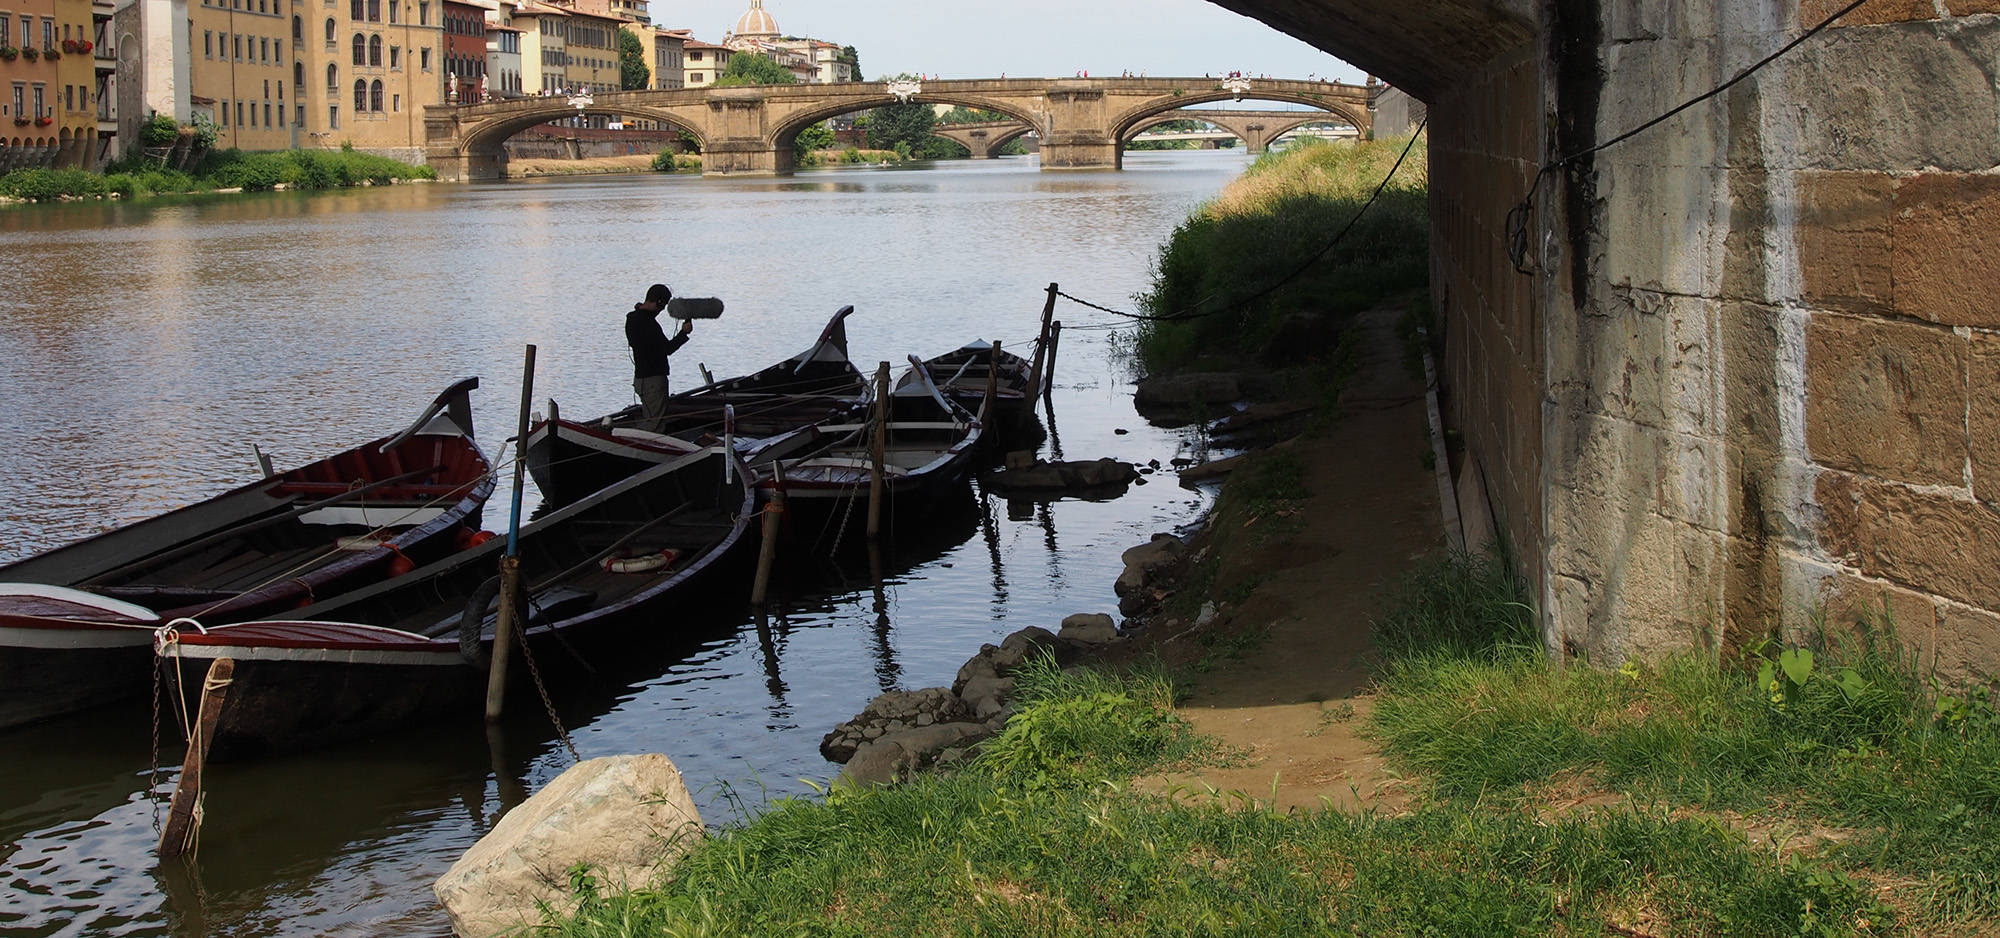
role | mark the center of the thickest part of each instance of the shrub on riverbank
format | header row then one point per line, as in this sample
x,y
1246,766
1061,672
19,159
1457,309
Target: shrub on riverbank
x,y
1215,276
667,161
225,169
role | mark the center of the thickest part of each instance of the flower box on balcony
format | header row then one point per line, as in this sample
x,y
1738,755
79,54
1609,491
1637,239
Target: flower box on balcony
x,y
20,121
51,54
85,45
69,45
30,53
44,121
9,53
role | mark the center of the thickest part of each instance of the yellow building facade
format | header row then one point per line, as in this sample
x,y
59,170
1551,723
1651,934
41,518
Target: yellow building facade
x,y
47,83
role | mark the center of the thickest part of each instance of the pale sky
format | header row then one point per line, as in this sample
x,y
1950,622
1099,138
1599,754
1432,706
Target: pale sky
x,y
1027,38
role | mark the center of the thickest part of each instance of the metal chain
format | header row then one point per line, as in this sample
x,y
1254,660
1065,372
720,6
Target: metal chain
x,y
548,705
153,765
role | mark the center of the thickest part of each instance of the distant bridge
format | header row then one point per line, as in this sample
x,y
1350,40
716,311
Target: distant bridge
x,y
1257,129
1082,123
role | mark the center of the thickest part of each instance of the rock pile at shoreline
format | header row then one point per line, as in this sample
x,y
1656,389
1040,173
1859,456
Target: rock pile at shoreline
x,y
902,732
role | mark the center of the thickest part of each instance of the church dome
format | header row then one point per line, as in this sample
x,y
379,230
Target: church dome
x,y
757,22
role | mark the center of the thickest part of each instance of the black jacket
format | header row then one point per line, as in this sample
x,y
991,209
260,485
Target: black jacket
x,y
650,345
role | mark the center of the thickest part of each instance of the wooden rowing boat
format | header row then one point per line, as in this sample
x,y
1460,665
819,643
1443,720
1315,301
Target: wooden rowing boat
x,y
615,565
929,445
77,622
570,459
961,375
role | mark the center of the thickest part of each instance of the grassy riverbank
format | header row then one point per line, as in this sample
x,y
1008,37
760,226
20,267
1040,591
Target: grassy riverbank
x,y
1047,834
223,169
1222,276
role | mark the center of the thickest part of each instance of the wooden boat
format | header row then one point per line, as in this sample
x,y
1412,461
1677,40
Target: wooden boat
x,y
77,622
929,446
961,375
612,565
570,460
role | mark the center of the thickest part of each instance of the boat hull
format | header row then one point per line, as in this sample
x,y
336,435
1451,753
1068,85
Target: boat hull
x,y
49,672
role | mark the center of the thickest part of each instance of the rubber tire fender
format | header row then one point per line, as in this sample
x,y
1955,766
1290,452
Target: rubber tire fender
x,y
469,646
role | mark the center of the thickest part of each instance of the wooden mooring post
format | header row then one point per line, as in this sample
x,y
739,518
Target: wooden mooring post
x,y
767,553
876,490
184,810
510,565
1049,377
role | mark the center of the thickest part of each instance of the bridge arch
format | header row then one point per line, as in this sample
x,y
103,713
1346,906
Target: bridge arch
x,y
787,133
486,139
1130,122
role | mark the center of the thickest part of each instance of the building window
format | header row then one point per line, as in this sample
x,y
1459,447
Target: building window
x,y
239,113
360,96
277,53
48,33
356,11
396,102
208,43
333,117
374,11
395,56
237,42
264,50
20,99
69,97
423,13
298,30
375,95
694,77
394,9
375,51
298,77
424,58
332,79
267,113
299,115
329,34
5,22
360,49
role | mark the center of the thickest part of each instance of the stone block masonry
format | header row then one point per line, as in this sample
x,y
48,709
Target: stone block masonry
x,y
1754,373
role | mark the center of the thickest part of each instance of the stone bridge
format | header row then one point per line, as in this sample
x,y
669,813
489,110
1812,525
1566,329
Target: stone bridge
x,y
1257,129
1081,122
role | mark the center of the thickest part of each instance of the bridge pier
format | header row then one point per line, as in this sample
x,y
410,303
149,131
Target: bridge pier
x,y
455,166
745,157
1082,151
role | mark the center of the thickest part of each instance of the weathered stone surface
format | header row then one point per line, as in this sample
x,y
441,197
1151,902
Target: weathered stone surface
x,y
1968,644
892,758
1205,389
1088,629
1886,399
978,666
1213,469
1984,418
1969,7
1946,260
1141,561
1895,99
986,696
892,713
624,816
1064,476
1811,12
1934,543
1845,232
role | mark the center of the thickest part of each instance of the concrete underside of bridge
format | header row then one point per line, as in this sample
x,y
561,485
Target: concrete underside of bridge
x,y
1755,370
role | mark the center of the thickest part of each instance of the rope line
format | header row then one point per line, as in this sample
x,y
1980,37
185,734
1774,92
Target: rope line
x,y
1195,312
1517,218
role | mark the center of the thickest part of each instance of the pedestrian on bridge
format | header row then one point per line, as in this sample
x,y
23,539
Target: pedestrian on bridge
x,y
650,351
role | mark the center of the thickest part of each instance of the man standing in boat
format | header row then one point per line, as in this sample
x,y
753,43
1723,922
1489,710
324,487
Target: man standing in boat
x,y
650,350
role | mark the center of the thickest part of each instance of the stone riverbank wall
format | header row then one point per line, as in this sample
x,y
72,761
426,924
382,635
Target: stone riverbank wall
x,y
1754,369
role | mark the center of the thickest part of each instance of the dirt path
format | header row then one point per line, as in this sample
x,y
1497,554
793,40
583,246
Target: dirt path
x,y
1370,511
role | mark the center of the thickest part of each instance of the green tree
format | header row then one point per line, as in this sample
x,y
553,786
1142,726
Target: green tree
x,y
853,60
749,68
972,115
805,149
633,73
909,124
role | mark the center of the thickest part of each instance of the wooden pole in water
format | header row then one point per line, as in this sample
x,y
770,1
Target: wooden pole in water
x,y
876,493
767,554
1036,371
1055,342
510,565
992,386
182,822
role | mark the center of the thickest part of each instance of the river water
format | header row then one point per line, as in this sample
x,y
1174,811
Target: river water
x,y
145,347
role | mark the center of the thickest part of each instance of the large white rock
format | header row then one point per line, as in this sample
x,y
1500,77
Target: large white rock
x,y
627,817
